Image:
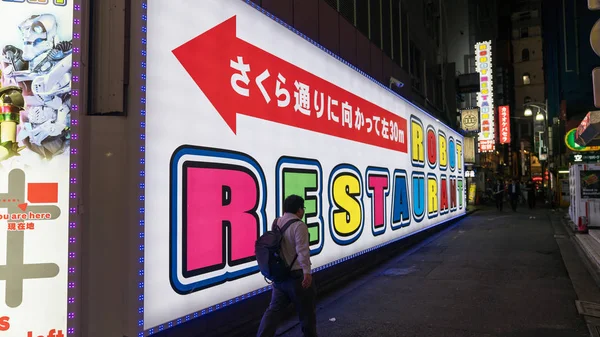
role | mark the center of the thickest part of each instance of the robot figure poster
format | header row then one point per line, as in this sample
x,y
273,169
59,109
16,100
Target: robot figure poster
x,y
35,119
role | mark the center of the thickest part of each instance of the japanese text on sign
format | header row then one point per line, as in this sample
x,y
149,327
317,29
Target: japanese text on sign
x,y
504,121
338,112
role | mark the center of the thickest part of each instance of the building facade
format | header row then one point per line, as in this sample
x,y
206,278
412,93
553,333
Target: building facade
x,y
529,84
397,42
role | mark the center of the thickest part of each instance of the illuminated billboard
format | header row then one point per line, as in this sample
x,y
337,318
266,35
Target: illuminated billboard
x,y
469,120
485,97
37,194
258,113
504,124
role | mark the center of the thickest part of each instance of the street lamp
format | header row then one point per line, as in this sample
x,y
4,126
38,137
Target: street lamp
x,y
539,117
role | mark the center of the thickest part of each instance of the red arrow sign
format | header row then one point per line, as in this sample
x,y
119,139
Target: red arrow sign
x,y
219,62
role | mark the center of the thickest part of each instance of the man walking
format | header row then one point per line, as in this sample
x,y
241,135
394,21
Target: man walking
x,y
298,288
499,194
514,191
530,193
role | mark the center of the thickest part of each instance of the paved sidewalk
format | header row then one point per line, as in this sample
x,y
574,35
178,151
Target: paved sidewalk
x,y
492,274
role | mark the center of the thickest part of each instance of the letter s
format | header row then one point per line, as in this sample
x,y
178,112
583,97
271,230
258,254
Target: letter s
x,y
4,324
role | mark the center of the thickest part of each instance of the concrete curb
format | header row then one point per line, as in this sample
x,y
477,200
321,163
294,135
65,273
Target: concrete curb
x,y
587,248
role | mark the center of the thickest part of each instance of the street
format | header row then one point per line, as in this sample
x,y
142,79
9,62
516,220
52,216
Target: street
x,y
492,274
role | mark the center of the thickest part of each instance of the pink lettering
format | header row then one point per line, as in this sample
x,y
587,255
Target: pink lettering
x,y
378,184
453,193
220,221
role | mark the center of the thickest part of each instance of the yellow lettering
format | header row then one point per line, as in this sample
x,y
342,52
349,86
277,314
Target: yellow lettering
x,y
347,218
432,191
418,148
459,156
443,151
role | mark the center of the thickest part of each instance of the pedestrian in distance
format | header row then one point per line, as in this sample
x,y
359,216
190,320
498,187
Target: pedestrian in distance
x,y
531,193
297,287
514,191
499,194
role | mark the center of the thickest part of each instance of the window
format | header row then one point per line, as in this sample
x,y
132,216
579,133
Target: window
x,y
405,38
396,39
332,3
525,55
524,32
524,16
386,25
526,79
416,67
347,10
375,15
362,17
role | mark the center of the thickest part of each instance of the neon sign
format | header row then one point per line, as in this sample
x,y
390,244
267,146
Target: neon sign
x,y
485,97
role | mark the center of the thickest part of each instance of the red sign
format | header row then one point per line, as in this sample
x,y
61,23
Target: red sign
x,y
486,145
504,122
240,78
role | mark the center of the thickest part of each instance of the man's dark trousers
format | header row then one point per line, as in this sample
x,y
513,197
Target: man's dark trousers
x,y
531,199
514,200
499,201
283,294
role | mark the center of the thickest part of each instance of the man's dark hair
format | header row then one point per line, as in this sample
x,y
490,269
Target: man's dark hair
x,y
293,203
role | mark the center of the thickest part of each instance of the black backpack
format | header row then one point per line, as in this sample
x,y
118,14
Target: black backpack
x,y
271,261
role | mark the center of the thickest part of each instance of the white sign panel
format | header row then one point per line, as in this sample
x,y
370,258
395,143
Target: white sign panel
x,y
243,112
485,97
35,117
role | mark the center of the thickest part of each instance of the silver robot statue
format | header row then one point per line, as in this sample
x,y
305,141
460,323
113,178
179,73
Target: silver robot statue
x,y
43,70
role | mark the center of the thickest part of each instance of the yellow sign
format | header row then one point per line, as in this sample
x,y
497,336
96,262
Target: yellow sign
x,y
472,193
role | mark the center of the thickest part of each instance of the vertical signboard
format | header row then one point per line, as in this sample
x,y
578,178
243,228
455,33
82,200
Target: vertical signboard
x,y
485,97
469,149
268,114
36,57
504,121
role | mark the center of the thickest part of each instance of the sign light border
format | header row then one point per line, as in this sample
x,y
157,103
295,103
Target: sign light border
x,y
74,272
500,127
140,242
75,189
490,76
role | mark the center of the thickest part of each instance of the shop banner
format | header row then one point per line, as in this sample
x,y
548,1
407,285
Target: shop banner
x,y
472,193
504,121
469,150
469,120
573,146
590,184
585,157
35,105
242,112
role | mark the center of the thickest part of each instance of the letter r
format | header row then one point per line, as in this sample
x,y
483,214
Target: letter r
x,y
220,221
